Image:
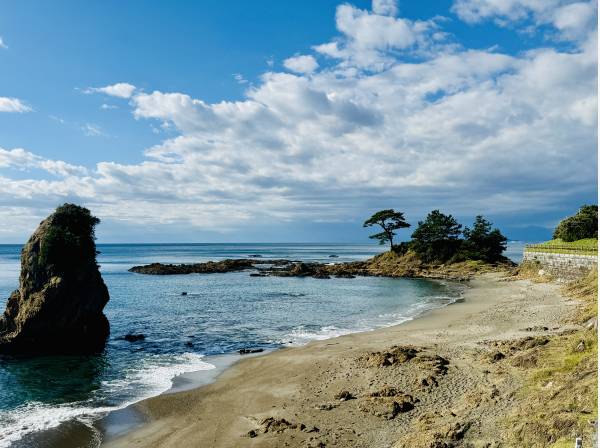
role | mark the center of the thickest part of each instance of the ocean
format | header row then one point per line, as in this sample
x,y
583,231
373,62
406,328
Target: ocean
x,y
221,314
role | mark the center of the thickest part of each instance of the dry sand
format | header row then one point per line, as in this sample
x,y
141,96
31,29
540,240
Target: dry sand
x,y
449,392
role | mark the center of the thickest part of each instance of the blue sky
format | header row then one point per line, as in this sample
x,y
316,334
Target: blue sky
x,y
294,121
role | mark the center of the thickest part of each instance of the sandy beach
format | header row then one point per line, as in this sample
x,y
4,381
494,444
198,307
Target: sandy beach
x,y
442,381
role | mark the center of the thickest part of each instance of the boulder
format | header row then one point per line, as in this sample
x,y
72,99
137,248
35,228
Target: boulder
x,y
58,305
133,337
247,351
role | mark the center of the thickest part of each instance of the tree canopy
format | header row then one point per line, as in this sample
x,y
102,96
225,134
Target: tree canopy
x,y
584,224
440,238
436,238
482,242
389,220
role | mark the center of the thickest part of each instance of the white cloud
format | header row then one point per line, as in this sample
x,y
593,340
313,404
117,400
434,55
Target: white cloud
x,y
240,78
108,106
574,21
571,20
468,131
92,130
385,7
301,64
23,160
2,44
368,37
13,105
119,90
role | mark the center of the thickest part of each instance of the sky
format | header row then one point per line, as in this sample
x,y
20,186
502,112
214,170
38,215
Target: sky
x,y
271,121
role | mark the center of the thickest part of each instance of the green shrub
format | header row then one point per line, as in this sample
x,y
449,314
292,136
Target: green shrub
x,y
584,224
69,241
482,242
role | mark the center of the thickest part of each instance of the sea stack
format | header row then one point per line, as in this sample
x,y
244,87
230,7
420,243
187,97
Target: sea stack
x,y
58,306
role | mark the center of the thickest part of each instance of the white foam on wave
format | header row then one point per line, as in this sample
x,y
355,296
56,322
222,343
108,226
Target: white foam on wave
x,y
153,377
301,335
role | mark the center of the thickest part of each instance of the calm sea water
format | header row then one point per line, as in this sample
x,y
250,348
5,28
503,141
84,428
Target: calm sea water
x,y
221,313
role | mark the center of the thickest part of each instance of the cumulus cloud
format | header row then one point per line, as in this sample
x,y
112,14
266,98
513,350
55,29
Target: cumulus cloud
x,y
2,44
301,64
571,20
119,90
468,131
22,160
372,39
385,7
13,105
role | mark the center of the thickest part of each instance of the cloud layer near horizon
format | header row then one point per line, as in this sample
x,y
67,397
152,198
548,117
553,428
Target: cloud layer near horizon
x,y
392,112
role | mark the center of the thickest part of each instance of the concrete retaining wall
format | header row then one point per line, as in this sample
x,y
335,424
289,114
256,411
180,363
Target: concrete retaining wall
x,y
563,266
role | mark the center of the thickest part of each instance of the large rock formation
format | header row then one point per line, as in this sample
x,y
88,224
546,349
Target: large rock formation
x,y
58,306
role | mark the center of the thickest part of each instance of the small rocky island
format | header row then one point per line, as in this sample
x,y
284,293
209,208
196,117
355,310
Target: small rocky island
x,y
388,264
58,307
439,249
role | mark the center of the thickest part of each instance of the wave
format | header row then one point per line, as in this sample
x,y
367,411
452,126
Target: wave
x,y
304,334
152,378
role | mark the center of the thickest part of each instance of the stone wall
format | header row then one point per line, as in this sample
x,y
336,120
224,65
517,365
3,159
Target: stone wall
x,y
563,266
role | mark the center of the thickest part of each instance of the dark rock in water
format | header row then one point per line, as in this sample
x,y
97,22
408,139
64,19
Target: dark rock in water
x,y
246,351
189,344
255,256
210,267
58,306
302,269
184,293
258,274
133,337
333,256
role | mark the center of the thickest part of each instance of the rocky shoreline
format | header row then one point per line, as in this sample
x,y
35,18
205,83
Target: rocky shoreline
x,y
388,264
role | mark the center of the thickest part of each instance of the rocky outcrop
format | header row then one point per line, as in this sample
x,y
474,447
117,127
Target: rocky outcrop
x,y
388,264
209,267
58,306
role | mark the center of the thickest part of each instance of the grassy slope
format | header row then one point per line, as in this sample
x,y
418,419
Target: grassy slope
x,y
588,246
560,396
409,265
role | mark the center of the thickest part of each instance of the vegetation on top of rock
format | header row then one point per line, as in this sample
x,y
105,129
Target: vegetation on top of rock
x,y
69,241
58,307
436,238
584,224
482,242
441,238
389,220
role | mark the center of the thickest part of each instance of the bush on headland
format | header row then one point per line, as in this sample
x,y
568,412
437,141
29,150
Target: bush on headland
x,y
441,238
582,225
